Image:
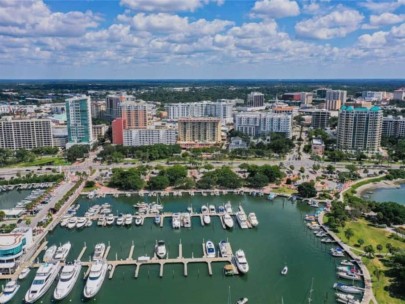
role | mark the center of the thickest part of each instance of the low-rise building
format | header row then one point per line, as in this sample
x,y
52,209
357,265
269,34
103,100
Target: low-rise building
x,y
317,146
237,143
12,247
99,131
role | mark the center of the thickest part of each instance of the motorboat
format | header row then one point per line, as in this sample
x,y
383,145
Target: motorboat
x,y
223,249
160,249
128,220
141,205
228,207
241,261
242,301
72,222
284,271
43,280
345,297
157,219
349,275
212,209
321,234
242,219
327,240
98,271
351,269
138,220
347,288
210,249
221,209
271,196
347,301
186,220
110,219
120,220
62,251
24,273
253,219
49,254
91,195
206,219
67,280
228,220
89,223
176,224
101,221
204,209
310,218
314,226
9,291
81,222
337,252
64,222
99,250
347,263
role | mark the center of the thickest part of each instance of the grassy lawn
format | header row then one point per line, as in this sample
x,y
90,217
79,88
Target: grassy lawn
x,y
43,161
283,190
373,236
89,189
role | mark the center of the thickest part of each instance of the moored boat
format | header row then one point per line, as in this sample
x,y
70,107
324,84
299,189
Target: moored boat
x,y
204,209
62,251
43,280
24,273
157,219
49,254
67,280
210,249
253,219
223,248
81,222
9,291
160,249
242,301
72,222
98,271
228,207
347,288
228,220
110,219
99,250
241,261
128,219
349,276
120,220
176,224
212,209
138,220
242,219
284,271
337,252
206,219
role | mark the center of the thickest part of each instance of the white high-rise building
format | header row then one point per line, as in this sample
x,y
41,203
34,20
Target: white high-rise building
x,y
25,133
255,100
80,128
359,129
399,94
393,126
334,95
258,123
147,137
220,109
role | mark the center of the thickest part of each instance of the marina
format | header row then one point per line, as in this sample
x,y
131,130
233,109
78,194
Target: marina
x,y
134,269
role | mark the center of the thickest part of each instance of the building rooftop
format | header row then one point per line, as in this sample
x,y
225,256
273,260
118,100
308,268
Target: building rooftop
x,y
7,240
200,119
360,109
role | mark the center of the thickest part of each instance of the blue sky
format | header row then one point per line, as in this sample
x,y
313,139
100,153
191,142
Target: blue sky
x,y
160,39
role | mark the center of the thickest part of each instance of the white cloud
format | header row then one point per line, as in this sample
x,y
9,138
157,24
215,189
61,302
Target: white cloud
x,y
338,23
167,5
33,18
377,21
398,31
275,9
374,40
381,6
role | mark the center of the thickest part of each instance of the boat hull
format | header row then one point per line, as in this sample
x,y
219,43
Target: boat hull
x,y
61,295
7,298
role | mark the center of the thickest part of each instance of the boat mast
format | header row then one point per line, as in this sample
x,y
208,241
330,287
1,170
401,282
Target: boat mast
x,y
229,294
310,291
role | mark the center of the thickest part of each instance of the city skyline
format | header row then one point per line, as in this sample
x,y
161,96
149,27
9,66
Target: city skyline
x,y
201,39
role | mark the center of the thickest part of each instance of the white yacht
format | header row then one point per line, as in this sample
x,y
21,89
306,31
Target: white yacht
x,y
9,291
67,280
242,219
186,220
223,248
160,249
284,271
206,219
242,301
24,273
110,219
64,222
101,220
81,222
253,219
228,207
43,280
212,209
72,222
89,223
138,220
128,219
241,262
120,220
95,279
176,221
210,249
62,251
228,220
204,209
99,251
49,254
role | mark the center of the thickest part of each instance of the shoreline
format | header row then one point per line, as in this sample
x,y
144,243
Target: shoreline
x,y
386,184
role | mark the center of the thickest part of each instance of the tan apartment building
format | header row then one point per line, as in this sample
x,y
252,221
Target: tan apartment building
x,y
201,131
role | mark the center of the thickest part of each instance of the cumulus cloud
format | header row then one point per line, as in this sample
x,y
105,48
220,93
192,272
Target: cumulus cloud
x,y
34,18
374,40
275,9
167,5
382,6
384,19
338,23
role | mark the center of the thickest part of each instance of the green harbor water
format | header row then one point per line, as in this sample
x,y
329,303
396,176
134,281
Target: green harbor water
x,y
388,195
281,238
10,199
